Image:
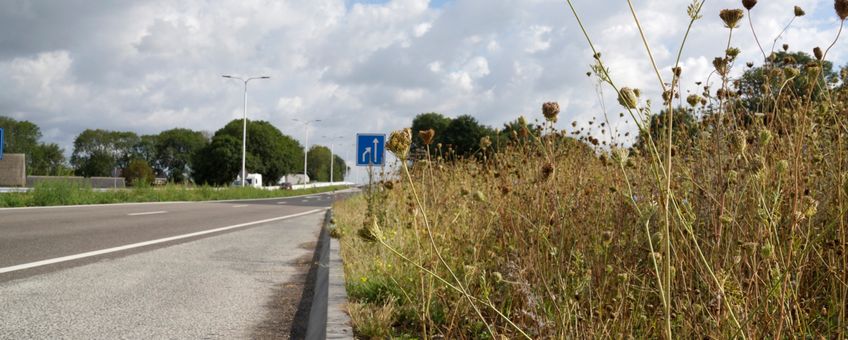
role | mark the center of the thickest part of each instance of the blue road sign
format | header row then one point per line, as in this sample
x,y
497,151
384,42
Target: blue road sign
x,y
2,141
370,148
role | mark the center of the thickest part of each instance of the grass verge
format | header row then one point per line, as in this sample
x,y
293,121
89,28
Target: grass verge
x,y
69,193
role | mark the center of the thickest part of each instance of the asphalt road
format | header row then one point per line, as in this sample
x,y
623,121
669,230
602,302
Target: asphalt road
x,y
172,270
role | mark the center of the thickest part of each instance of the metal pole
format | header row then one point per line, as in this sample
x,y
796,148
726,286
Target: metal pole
x,y
305,152
244,137
331,163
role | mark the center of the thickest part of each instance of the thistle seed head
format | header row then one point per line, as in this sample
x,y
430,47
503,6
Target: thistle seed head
x,y
551,111
731,17
799,12
628,98
841,7
427,136
399,142
748,4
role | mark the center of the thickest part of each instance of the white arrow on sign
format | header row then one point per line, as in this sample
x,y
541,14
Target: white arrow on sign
x,y
374,155
367,151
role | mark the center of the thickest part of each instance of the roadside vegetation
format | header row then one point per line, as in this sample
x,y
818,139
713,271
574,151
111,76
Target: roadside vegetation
x,y
726,219
54,193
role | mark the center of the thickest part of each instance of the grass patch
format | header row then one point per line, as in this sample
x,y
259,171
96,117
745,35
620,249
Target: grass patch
x,y
54,193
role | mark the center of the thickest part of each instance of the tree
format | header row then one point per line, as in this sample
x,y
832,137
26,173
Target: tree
x,y
138,173
102,147
47,160
269,152
23,137
760,85
425,121
464,134
174,151
146,149
219,162
318,159
685,129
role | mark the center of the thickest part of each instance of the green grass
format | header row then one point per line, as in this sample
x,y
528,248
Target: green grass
x,y
70,193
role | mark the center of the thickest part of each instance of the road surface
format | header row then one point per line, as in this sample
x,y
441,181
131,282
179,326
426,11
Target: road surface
x,y
231,269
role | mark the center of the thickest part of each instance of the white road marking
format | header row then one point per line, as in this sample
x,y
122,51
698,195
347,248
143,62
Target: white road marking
x,y
282,202
240,206
148,213
147,243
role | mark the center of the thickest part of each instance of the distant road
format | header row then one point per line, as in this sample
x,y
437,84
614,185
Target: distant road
x,y
159,270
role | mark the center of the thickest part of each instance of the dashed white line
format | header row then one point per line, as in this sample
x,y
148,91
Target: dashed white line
x,y
148,213
147,243
240,206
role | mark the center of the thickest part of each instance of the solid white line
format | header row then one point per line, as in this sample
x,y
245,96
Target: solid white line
x,y
147,243
240,206
148,213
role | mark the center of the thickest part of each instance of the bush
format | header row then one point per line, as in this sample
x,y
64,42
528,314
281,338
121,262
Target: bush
x,y
138,173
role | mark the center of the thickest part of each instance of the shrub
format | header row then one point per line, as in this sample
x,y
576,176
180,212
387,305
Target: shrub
x,y
138,173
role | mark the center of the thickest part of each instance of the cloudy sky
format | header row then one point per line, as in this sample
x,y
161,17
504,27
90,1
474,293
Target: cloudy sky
x,y
359,66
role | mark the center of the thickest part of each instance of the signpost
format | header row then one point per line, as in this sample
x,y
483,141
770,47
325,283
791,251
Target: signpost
x,y
370,149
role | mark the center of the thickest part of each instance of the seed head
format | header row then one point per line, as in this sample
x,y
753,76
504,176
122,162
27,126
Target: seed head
x,y
731,17
799,12
427,136
693,99
628,98
399,142
749,4
547,171
818,53
720,65
732,52
841,7
785,47
551,111
485,142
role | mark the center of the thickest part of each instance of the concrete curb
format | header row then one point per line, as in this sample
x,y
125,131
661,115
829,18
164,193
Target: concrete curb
x,y
328,318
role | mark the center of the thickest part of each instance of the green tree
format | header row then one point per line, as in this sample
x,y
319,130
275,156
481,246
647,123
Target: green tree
x,y
464,134
47,160
175,149
760,85
318,159
269,152
20,136
138,173
425,121
686,129
146,149
219,162
101,147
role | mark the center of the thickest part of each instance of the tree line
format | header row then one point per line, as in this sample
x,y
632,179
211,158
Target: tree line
x,y
178,155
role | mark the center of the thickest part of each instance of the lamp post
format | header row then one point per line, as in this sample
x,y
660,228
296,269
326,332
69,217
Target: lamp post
x,y
244,124
332,156
305,141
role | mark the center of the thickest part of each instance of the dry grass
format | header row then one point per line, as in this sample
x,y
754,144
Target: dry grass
x,y
738,233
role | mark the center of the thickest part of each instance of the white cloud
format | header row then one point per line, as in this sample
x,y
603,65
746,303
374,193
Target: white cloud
x,y
147,66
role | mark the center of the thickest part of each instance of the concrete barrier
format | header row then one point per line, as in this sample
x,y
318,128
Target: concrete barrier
x,y
13,170
94,182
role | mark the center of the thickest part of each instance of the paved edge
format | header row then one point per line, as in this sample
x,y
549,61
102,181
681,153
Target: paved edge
x,y
328,318
339,325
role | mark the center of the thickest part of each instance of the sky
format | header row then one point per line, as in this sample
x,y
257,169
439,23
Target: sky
x,y
358,66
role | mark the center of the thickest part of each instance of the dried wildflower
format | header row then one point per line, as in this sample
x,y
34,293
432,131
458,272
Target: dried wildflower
x,y
749,64
479,196
732,52
799,12
782,166
547,171
693,99
841,7
628,97
766,250
677,71
765,137
551,111
731,17
785,47
427,136
485,142
748,4
792,72
818,53
720,65
693,9
399,142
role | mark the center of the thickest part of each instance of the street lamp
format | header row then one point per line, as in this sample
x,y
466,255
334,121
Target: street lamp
x,y
306,141
332,156
244,123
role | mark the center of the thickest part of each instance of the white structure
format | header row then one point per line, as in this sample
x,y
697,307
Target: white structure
x,y
295,179
253,180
